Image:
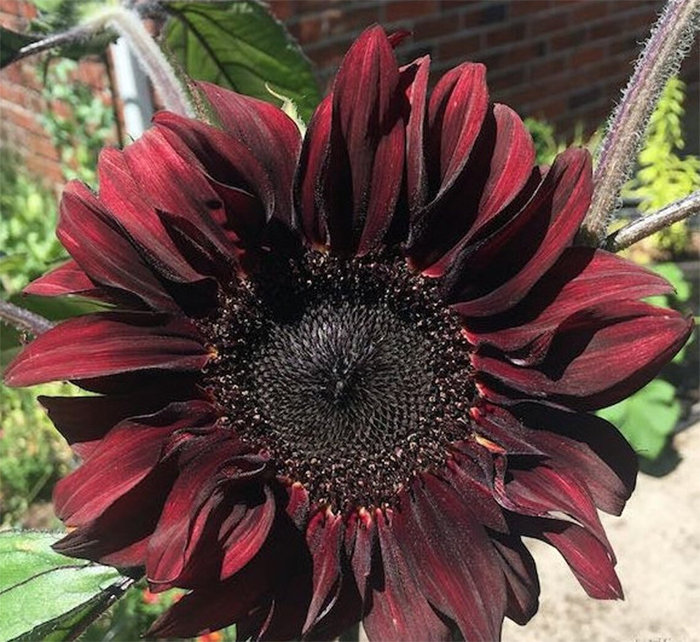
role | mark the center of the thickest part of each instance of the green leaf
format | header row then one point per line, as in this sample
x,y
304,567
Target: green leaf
x,y
48,596
647,418
239,45
10,44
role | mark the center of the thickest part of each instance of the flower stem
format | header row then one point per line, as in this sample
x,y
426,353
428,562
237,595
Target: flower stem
x,y
647,225
129,25
669,42
22,319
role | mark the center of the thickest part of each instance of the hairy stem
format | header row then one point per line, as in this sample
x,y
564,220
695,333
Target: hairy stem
x,y
669,42
129,25
647,225
22,319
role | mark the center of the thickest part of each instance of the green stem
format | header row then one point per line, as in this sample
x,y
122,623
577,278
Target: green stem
x,y
669,42
22,319
129,25
647,225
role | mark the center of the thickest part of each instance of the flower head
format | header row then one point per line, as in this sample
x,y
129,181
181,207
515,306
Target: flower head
x,y
341,377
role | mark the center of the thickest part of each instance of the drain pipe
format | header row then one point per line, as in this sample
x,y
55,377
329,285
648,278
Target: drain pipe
x,y
134,90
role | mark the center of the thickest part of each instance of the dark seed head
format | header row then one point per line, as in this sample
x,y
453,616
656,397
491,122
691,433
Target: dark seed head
x,y
349,372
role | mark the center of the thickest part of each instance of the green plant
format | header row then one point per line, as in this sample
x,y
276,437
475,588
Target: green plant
x,y
33,456
548,144
663,176
28,245
87,125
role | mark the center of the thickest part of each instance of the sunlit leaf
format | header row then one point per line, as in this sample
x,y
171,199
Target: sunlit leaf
x,y
647,418
47,596
239,45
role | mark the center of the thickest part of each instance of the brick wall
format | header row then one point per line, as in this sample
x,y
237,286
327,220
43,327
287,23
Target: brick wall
x,y
22,102
563,60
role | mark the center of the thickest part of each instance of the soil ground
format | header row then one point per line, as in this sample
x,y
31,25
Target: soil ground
x,y
657,543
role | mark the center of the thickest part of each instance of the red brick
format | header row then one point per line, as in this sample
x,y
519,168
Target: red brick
x,y
429,28
395,10
587,54
512,32
548,23
461,47
588,11
529,7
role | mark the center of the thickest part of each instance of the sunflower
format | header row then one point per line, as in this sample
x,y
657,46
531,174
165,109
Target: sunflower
x,y
340,376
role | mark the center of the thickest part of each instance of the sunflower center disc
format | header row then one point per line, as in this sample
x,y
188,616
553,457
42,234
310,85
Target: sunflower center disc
x,y
348,372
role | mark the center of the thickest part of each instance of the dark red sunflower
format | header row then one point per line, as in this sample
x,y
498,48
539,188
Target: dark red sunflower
x,y
340,377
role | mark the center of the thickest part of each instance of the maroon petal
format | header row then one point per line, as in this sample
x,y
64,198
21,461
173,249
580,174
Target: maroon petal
x,y
581,278
450,555
583,369
399,610
510,168
360,543
193,506
360,170
324,536
415,76
122,459
114,342
590,560
83,421
587,446
520,572
236,176
215,606
466,478
89,234
244,539
456,111
273,138
307,179
68,278
541,491
128,201
120,534
501,271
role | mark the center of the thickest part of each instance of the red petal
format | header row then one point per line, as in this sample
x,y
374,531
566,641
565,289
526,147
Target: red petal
x,y
589,559
597,357
520,572
244,540
415,76
399,610
360,543
324,535
122,459
311,166
587,446
511,154
269,133
197,503
68,278
235,174
541,491
351,166
451,558
101,249
583,277
100,345
129,202
83,421
498,274
456,111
